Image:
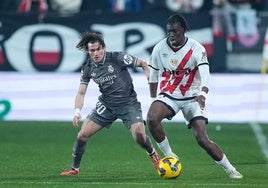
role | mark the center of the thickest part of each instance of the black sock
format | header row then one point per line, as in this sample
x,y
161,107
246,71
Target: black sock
x,y
148,146
78,151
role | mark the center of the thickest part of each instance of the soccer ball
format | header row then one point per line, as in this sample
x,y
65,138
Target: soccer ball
x,y
169,167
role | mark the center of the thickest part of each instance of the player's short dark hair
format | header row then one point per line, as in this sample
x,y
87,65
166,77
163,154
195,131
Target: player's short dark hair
x,y
89,37
178,19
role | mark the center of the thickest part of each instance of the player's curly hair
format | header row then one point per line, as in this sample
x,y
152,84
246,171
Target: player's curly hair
x,y
89,37
178,19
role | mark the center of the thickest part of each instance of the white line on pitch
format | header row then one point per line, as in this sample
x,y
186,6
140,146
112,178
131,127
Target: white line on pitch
x,y
136,183
261,138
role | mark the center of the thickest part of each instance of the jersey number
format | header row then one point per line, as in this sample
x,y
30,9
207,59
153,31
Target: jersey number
x,y
100,108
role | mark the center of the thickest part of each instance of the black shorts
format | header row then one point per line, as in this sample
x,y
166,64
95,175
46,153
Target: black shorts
x,y
128,113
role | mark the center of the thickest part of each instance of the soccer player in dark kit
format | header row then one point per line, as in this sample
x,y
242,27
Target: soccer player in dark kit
x,y
118,99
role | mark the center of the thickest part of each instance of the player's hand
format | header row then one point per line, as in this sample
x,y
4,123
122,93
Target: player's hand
x,y
201,101
77,117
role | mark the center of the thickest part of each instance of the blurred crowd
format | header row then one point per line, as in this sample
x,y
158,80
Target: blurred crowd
x,y
68,7
228,16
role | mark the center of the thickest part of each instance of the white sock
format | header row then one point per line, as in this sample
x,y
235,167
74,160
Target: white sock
x,y
165,148
225,164
75,169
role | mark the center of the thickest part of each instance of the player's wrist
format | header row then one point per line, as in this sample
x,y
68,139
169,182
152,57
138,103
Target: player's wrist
x,y
77,112
203,93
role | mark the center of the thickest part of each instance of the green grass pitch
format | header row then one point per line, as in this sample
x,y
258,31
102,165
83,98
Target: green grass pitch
x,y
32,154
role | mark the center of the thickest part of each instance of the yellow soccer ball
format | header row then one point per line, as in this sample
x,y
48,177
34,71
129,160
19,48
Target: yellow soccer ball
x,y
169,167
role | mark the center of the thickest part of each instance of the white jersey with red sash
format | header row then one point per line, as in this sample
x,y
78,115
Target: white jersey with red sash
x,y
177,70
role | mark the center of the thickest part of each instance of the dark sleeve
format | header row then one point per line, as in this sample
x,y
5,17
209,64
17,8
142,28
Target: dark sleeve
x,y
85,78
126,59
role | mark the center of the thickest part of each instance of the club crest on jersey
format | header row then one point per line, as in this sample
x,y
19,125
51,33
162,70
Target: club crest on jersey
x,y
174,61
110,69
128,59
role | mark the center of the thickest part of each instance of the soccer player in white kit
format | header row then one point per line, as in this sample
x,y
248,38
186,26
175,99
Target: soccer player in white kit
x,y
179,66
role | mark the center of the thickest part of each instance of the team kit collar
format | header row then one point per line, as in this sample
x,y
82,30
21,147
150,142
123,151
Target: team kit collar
x,y
175,49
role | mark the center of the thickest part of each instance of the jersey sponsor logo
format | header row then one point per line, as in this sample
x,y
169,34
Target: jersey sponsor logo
x,y
177,72
128,59
106,79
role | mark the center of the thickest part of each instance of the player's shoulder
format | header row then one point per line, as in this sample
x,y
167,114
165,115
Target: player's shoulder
x,y
86,64
193,42
118,57
86,67
111,55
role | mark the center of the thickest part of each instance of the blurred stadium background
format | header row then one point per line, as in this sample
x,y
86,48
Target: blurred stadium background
x,y
39,64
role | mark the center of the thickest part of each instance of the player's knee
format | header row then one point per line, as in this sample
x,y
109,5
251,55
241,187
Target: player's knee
x,y
139,137
152,120
83,136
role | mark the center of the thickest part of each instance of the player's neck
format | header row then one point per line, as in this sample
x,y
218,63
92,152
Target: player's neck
x,y
177,47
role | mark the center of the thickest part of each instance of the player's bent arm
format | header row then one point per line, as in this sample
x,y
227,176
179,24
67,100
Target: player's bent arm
x,y
79,99
144,65
205,77
153,81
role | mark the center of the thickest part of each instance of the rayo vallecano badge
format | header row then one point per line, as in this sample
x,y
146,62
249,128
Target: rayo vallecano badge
x,y
174,61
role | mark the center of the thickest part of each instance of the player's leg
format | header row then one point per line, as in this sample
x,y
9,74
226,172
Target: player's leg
x,y
199,129
133,120
138,133
99,118
157,112
200,133
88,129
196,119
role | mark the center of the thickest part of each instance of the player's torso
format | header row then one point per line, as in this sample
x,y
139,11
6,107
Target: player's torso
x,y
105,75
178,70
113,79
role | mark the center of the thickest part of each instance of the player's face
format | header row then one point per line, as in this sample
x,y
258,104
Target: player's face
x,y
175,34
96,51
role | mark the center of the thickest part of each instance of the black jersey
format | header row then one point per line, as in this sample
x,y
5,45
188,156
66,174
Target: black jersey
x,y
112,77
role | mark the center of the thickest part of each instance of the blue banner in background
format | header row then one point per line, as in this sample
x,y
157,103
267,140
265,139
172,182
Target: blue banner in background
x,y
29,45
